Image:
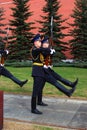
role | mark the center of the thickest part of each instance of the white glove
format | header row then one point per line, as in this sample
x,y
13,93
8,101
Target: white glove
x,y
45,66
52,51
7,52
50,66
2,65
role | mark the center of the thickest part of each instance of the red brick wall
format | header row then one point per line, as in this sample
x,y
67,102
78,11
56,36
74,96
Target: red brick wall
x,y
1,110
36,8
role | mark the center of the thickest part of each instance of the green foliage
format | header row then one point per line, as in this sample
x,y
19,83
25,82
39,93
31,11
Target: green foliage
x,y
2,32
19,64
20,41
79,30
55,29
28,63
74,64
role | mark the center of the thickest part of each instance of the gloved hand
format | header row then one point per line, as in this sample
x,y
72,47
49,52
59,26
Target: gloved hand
x,y
50,66
45,66
52,51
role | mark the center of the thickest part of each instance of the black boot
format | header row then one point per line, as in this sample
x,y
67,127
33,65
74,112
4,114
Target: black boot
x,y
20,83
68,83
42,104
70,92
33,106
23,82
39,100
65,90
74,83
63,80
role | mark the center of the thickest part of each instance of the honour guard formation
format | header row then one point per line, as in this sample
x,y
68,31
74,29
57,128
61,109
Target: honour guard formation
x,y
42,72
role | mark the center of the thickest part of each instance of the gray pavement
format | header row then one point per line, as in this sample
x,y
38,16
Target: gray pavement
x,y
68,113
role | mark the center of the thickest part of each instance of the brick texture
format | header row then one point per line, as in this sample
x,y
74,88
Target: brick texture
x,y
36,7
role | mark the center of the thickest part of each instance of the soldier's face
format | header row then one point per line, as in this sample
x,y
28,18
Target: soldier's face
x,y
45,45
37,44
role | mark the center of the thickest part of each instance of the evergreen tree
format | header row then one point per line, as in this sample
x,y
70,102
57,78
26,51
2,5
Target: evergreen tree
x,y
51,9
20,41
2,25
79,30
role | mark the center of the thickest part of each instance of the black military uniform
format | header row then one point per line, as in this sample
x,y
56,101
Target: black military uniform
x,y
56,77
37,72
53,78
6,73
42,75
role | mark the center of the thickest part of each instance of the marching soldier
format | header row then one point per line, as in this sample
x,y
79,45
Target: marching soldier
x,y
37,70
5,72
52,75
42,75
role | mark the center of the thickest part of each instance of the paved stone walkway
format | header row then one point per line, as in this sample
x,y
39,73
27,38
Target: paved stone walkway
x,y
59,112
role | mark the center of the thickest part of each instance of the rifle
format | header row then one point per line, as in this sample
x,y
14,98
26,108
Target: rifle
x,y
48,59
3,56
51,35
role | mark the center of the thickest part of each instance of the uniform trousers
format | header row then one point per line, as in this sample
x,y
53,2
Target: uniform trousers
x,y
6,73
54,78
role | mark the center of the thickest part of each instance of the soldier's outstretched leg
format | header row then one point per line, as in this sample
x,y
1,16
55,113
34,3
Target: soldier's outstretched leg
x,y
63,80
65,90
7,74
53,81
20,83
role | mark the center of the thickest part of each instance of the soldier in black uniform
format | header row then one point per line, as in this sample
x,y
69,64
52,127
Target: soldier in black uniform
x,y
51,76
5,72
37,70
42,75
